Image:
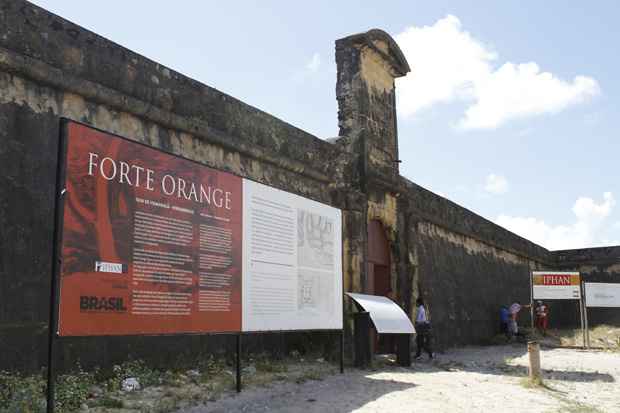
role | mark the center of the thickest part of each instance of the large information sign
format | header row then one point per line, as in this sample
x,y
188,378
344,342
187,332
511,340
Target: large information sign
x,y
151,242
156,244
554,285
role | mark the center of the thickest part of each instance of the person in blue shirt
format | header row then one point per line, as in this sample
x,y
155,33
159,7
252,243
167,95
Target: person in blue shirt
x,y
504,317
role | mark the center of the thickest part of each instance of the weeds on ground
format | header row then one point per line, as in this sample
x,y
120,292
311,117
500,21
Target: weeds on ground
x,y
112,378
311,374
27,394
73,389
163,390
533,383
21,394
266,365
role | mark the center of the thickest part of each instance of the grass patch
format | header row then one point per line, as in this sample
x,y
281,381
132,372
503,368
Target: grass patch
x,y
21,393
535,383
160,390
73,389
267,366
110,402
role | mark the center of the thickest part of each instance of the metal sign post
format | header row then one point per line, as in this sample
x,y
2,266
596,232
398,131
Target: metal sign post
x,y
529,269
238,363
342,351
581,316
585,315
52,327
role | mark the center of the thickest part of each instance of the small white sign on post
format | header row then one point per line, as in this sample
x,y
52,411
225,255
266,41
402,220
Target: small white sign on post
x,y
602,294
554,285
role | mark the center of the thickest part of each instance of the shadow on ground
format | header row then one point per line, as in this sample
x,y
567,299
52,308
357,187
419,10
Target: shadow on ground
x,y
314,396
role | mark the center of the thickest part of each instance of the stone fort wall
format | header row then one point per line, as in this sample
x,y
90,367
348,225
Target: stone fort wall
x,y
464,265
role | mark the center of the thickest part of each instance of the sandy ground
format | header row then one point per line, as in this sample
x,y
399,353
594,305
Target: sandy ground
x,y
486,379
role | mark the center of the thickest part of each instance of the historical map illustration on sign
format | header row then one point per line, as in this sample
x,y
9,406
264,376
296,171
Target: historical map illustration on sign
x,y
315,260
315,241
292,261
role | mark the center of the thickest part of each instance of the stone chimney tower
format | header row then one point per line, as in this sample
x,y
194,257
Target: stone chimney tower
x,y
367,65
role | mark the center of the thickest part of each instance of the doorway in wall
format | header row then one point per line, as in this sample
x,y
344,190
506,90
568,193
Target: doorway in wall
x,y
379,275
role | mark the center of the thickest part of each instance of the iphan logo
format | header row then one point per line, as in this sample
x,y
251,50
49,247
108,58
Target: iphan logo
x,y
110,267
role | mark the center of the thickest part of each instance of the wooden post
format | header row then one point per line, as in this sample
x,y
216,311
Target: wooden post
x,y
533,350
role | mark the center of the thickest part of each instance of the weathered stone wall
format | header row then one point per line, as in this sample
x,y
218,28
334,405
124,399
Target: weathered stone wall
x,y
51,68
464,265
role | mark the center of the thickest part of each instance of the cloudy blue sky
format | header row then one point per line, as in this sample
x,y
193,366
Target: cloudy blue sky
x,y
511,109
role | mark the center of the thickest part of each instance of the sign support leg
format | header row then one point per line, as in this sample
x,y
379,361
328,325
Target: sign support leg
x,y
585,314
583,331
238,363
51,377
342,351
59,192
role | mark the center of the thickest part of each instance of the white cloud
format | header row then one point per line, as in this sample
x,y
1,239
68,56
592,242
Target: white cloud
x,y
516,91
314,63
496,184
449,65
585,231
444,60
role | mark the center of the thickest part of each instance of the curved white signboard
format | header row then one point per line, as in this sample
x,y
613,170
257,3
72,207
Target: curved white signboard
x,y
385,314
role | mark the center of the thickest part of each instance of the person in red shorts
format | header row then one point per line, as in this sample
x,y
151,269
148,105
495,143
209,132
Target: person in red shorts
x,y
542,313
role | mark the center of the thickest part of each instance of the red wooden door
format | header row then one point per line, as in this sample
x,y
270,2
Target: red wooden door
x,y
378,280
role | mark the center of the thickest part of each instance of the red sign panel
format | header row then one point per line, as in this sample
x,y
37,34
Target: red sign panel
x,y
151,243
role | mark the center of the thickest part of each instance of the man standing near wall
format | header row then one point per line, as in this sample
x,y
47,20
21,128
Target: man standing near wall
x,y
423,330
514,312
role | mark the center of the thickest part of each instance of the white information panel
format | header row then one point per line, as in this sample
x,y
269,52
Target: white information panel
x,y
556,292
292,261
602,295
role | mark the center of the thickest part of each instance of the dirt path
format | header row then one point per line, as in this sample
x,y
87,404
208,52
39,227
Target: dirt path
x,y
462,380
